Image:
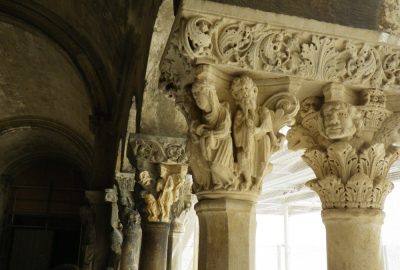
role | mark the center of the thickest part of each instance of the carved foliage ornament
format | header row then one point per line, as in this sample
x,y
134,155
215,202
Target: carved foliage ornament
x,y
288,52
231,149
158,149
350,148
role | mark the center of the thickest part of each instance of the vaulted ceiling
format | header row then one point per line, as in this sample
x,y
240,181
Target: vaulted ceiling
x,y
68,72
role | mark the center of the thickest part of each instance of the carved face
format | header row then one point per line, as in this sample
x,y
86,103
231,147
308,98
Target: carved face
x,y
244,91
201,96
338,120
309,105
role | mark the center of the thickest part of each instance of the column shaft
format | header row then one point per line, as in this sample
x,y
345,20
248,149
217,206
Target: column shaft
x,y
154,246
227,234
354,239
175,250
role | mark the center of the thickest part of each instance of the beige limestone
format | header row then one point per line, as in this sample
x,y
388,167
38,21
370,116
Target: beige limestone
x,y
354,239
227,233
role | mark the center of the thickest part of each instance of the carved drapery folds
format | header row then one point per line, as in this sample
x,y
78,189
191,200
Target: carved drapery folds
x,y
349,147
160,194
232,141
268,48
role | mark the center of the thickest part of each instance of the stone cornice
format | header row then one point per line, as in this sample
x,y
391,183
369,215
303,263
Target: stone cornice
x,y
159,149
273,48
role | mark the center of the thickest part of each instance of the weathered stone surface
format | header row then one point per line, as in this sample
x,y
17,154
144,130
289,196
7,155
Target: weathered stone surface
x,y
354,239
363,14
155,246
227,233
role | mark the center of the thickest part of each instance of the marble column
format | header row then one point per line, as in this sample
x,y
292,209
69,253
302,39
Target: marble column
x,y
180,211
351,149
232,139
102,217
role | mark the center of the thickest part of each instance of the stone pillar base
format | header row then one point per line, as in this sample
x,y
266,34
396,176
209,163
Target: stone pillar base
x,y
354,238
227,233
154,246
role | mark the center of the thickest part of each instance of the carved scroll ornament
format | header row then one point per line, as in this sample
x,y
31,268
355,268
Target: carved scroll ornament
x,y
350,148
287,52
231,149
157,149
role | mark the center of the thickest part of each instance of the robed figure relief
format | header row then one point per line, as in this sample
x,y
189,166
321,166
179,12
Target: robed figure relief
x,y
252,132
214,134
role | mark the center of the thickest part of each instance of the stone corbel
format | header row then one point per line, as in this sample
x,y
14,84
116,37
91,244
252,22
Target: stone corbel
x,y
349,147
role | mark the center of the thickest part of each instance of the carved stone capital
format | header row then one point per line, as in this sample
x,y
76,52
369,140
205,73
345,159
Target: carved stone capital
x,y
236,129
126,184
349,147
158,149
161,193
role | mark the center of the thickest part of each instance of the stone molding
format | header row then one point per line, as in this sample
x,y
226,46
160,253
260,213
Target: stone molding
x,y
159,149
161,193
349,147
236,130
272,49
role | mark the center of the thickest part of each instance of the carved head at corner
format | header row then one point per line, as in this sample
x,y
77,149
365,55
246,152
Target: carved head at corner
x,y
205,95
245,91
339,119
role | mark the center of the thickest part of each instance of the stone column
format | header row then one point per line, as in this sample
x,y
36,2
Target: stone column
x,y
130,219
234,130
180,211
162,162
351,149
97,256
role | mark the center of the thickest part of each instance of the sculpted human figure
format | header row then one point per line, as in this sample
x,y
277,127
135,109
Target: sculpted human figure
x,y
167,199
339,120
252,130
214,133
148,195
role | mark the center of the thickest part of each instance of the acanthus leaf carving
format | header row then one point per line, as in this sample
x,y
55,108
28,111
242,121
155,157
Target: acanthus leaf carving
x,y
351,149
270,48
